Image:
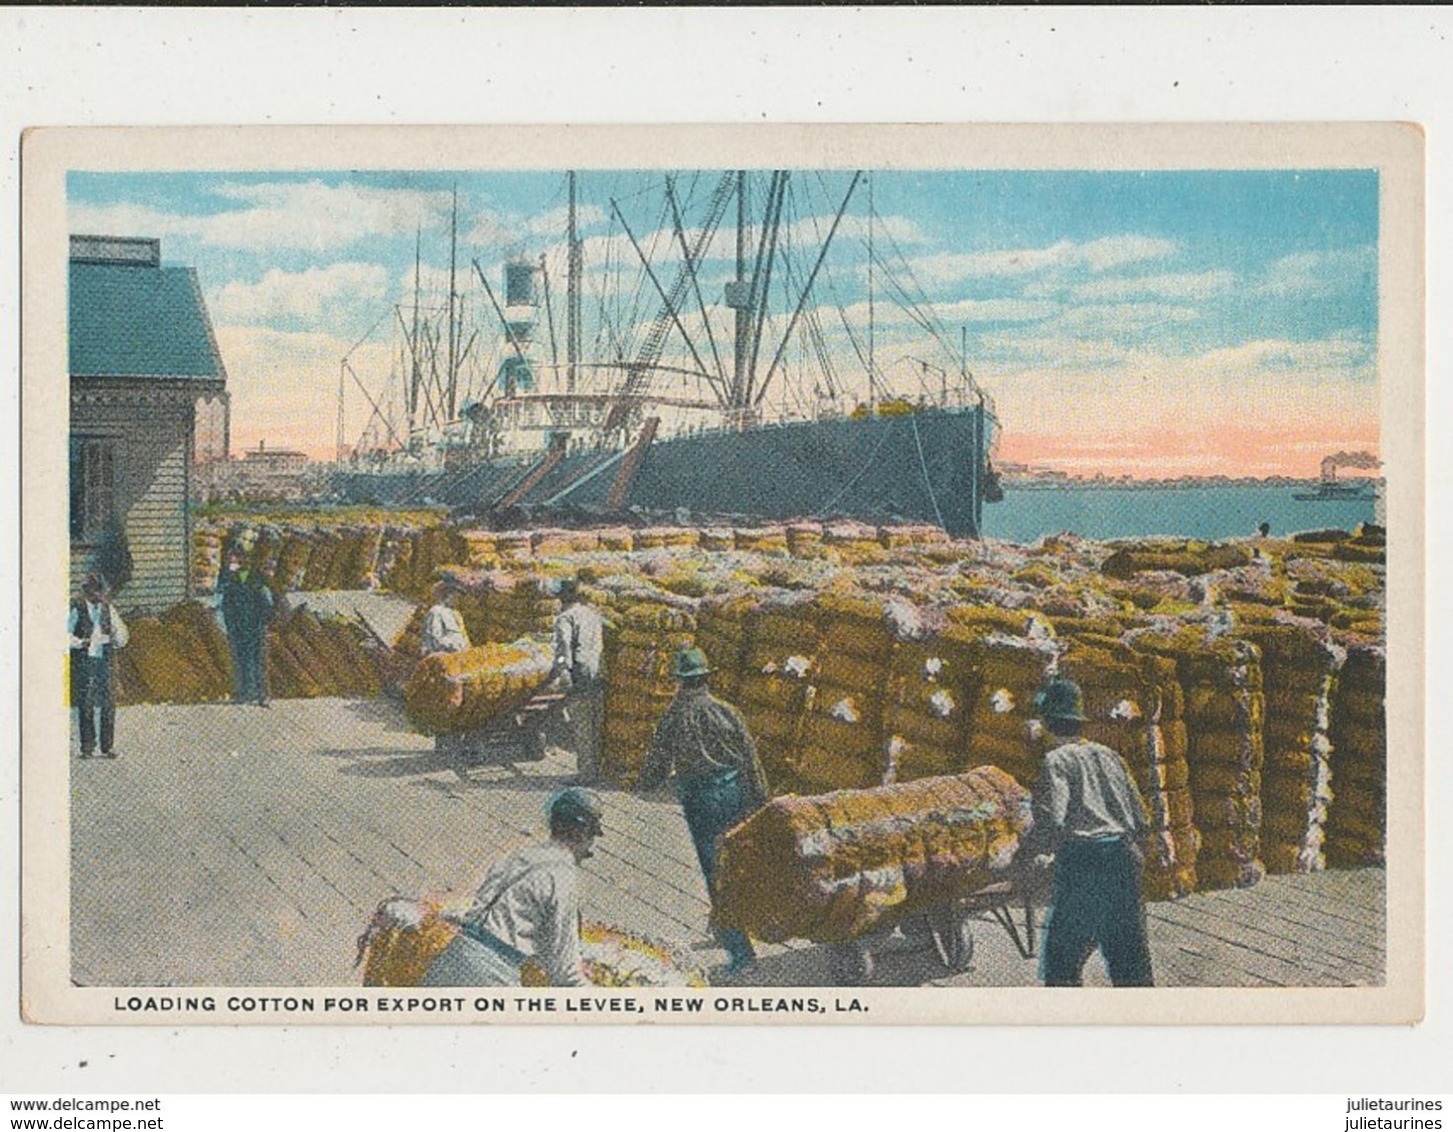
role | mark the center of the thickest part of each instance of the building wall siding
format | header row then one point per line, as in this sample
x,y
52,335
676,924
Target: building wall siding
x,y
153,437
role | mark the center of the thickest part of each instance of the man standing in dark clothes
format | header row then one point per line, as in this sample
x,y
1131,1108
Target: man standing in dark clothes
x,y
1088,820
719,778
246,605
95,631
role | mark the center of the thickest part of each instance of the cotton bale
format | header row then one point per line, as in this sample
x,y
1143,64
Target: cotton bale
x,y
833,867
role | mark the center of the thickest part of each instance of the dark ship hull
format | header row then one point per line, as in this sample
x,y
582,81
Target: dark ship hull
x,y
929,466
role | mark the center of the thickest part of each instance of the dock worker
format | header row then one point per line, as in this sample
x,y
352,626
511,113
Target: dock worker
x,y
443,628
526,914
705,744
444,632
1088,820
247,606
95,631
579,648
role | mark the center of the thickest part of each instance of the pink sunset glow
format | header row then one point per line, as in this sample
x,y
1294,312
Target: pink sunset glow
x,y
1233,451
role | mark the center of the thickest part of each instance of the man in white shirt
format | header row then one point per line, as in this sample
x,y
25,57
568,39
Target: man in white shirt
x,y
527,910
1088,820
443,629
579,657
94,629
444,632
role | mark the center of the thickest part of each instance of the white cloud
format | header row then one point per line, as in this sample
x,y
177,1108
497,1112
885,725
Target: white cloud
x,y
1116,251
312,215
1317,274
813,230
276,215
1124,318
1325,358
995,310
131,220
305,295
1064,255
1202,285
553,223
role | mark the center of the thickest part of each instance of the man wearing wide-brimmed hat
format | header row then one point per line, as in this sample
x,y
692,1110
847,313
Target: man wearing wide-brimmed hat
x,y
1088,820
705,743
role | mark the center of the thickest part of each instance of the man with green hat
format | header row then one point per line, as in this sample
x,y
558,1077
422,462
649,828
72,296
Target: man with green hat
x,y
705,743
1088,820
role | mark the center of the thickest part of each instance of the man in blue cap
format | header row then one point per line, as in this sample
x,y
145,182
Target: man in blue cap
x,y
1088,820
527,909
705,743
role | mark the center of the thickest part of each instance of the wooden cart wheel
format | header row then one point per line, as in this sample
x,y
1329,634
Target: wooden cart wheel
x,y
852,964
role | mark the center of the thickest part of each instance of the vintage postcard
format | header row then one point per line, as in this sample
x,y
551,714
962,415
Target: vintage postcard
x,y
723,575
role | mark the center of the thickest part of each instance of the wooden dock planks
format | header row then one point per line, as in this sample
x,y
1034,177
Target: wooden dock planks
x,y
233,845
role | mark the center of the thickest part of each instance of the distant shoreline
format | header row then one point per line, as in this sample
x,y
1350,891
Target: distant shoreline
x,y
1162,485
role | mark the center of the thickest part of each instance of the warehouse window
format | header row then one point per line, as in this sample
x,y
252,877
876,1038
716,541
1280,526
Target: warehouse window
x,y
93,486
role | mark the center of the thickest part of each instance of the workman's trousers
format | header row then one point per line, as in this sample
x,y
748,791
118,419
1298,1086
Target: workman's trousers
x,y
713,804
91,693
576,724
467,962
249,669
1096,902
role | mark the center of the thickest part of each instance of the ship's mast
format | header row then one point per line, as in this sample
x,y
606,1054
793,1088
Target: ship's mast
x,y
741,302
872,323
573,272
415,374
453,363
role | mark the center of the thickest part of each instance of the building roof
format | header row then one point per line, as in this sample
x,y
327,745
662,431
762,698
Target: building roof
x,y
132,317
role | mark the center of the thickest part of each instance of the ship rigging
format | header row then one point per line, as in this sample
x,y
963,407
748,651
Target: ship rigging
x,y
669,360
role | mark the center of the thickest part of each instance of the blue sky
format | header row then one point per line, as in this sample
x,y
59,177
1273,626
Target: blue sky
x,y
1098,307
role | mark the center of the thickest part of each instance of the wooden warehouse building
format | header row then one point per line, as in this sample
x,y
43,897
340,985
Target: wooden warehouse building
x,y
142,354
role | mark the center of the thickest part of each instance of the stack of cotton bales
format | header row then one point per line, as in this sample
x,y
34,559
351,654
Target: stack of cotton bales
x,y
1133,702
309,655
932,686
1357,819
481,548
901,535
805,540
841,864
616,539
723,632
1225,711
784,640
853,543
179,657
841,743
761,540
510,606
1298,666
641,642
1009,670
717,540
1188,557
206,564
555,542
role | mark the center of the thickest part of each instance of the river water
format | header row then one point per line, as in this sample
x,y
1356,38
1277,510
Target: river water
x,y
1216,512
